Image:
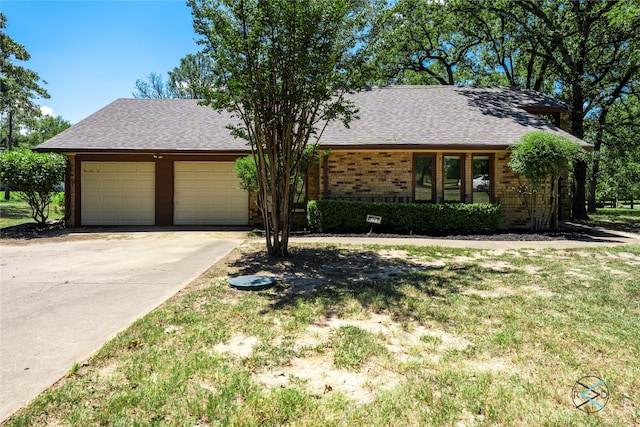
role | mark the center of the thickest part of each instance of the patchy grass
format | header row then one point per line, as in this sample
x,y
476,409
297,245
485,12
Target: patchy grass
x,y
16,211
373,336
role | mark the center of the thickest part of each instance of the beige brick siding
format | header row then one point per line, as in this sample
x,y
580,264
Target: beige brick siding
x,y
379,175
389,175
505,192
313,181
70,191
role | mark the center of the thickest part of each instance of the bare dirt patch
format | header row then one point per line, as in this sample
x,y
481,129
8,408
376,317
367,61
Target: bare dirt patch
x,y
491,364
497,265
532,269
238,345
538,291
576,273
318,374
614,271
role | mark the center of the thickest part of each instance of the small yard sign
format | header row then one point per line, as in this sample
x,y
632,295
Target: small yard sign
x,y
374,219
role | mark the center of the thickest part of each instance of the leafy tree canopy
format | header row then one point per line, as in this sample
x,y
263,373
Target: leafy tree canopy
x,y
187,81
19,86
283,68
540,155
39,130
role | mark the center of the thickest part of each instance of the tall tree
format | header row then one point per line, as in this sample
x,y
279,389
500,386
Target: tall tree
x,y
587,44
617,106
457,42
19,87
41,129
154,87
506,46
414,37
282,68
618,162
187,81
584,52
192,77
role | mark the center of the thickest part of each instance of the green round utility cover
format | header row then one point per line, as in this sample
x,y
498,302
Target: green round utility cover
x,y
252,283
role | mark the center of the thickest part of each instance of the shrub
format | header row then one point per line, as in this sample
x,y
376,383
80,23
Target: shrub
x,y
34,176
338,216
58,202
541,157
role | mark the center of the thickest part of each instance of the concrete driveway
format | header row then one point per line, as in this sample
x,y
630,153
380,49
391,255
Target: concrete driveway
x,y
63,297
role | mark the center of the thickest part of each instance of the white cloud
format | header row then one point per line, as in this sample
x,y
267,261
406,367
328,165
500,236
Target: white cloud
x,y
46,111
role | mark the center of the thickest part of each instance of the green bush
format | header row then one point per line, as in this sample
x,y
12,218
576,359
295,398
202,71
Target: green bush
x,y
34,176
58,203
338,216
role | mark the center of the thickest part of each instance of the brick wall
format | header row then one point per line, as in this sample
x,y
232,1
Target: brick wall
x,y
70,192
379,175
505,192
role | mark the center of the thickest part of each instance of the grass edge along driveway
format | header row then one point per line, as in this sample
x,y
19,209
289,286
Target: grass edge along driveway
x,y
373,336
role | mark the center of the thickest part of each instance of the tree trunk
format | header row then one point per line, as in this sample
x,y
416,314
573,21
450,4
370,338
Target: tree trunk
x,y
554,203
595,169
578,209
597,145
7,190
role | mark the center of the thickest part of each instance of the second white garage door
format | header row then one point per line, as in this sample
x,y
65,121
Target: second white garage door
x,y
208,193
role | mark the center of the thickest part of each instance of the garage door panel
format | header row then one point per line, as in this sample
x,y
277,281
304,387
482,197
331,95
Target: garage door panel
x,y
118,193
208,193
148,183
110,184
113,167
90,166
90,183
201,184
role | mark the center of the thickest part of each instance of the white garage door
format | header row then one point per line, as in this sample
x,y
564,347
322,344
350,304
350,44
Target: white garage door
x,y
208,193
118,193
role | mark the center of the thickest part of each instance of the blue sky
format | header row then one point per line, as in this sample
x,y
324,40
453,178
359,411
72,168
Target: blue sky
x,y
92,52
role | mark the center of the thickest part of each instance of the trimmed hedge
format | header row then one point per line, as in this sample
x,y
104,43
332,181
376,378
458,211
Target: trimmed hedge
x,y
338,216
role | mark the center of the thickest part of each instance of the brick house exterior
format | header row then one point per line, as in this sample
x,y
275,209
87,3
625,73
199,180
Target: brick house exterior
x,y
166,162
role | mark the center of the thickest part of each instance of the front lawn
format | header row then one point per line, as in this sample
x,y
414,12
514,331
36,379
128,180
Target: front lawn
x,y
373,336
620,219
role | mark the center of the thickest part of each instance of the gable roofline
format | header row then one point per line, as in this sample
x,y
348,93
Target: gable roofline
x,y
390,117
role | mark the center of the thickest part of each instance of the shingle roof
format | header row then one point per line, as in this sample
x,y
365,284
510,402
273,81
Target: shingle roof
x,y
393,116
149,124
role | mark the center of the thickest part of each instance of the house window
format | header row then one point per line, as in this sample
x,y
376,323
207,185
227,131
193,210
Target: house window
x,y
423,179
453,179
481,179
